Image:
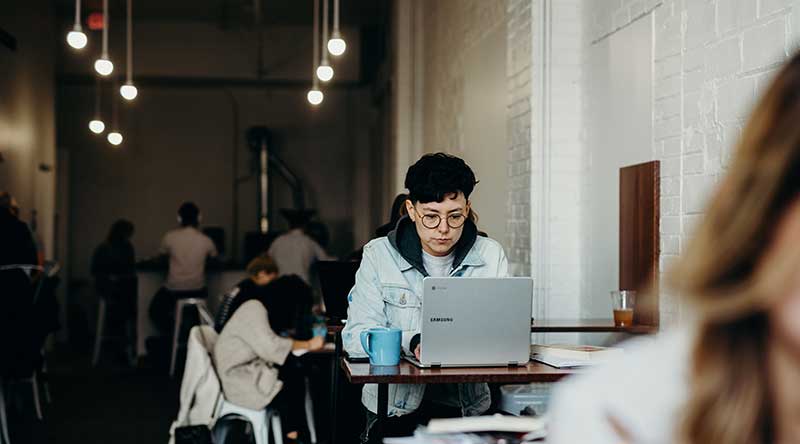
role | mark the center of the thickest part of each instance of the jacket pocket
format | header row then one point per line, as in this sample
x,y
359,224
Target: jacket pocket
x,y
402,307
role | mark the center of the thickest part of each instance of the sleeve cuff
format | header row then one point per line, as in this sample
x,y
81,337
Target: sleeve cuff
x,y
414,343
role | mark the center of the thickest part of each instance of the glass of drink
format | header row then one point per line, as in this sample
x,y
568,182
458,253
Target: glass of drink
x,y
622,302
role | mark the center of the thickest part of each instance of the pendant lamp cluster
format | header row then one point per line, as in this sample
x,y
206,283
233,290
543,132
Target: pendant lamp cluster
x,y
335,46
104,67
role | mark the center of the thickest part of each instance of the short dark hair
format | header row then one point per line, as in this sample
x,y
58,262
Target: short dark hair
x,y
262,263
189,214
435,176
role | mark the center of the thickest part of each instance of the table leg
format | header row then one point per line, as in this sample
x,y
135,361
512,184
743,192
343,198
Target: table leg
x,y
337,354
383,407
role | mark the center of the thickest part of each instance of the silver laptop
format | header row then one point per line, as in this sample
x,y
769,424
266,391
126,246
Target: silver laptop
x,y
475,322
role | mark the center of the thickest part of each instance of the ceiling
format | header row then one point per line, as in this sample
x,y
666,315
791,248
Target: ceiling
x,y
235,13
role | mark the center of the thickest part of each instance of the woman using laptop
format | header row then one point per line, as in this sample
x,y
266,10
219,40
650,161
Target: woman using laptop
x,y
436,238
729,375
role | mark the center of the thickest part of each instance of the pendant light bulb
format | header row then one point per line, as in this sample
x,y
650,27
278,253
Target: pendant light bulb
x,y
103,66
324,72
97,126
114,138
336,45
76,38
315,96
128,91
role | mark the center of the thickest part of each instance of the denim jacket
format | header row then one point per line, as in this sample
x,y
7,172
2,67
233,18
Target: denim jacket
x,y
388,293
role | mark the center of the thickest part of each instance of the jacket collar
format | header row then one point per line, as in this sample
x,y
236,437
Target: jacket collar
x,y
405,240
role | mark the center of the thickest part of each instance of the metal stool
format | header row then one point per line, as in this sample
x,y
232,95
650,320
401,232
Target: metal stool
x,y
180,304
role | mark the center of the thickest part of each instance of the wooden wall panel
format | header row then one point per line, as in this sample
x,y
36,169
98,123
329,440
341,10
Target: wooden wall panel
x,y
639,241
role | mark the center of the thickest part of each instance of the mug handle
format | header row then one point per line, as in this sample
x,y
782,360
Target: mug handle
x,y
365,342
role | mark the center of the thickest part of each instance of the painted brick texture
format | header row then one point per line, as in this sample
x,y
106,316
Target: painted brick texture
x,y
712,59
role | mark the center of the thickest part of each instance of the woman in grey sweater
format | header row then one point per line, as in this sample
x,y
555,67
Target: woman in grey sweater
x,y
255,365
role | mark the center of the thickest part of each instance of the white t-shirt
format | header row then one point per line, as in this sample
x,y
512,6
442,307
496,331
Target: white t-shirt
x,y
437,266
644,390
294,252
188,249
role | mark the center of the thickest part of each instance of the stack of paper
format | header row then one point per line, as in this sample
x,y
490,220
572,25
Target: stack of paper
x,y
475,430
562,356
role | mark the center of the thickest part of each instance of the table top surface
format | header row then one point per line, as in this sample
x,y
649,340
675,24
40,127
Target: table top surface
x,y
407,373
587,326
568,326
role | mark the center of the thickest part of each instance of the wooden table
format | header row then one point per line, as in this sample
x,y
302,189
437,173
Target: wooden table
x,y
587,326
406,373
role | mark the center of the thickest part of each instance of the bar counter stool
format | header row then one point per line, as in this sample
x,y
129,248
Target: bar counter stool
x,y
180,304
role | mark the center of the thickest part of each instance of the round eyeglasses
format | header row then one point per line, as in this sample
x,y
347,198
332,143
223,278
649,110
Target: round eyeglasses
x,y
432,221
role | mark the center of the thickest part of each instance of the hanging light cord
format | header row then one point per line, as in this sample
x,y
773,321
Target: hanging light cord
x,y
335,15
129,61
98,85
78,12
316,42
114,117
105,29
324,31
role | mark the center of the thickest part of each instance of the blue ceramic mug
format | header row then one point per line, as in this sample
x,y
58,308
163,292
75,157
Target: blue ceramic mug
x,y
382,344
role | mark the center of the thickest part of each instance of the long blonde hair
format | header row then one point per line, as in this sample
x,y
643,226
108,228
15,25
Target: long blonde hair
x,y
733,271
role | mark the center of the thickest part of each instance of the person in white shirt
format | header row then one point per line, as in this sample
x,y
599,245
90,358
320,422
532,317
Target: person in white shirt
x,y
730,374
295,251
187,250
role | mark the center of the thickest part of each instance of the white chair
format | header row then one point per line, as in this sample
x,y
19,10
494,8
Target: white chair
x,y
260,420
3,420
200,305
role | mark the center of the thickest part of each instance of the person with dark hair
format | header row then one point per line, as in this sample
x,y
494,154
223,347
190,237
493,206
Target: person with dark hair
x,y
187,250
17,247
252,354
436,238
398,210
287,298
295,251
114,270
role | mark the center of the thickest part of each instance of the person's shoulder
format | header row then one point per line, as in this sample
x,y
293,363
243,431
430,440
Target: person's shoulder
x,y
249,310
378,246
488,245
642,388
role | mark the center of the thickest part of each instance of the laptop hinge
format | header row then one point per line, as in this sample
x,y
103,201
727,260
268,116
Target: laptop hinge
x,y
513,363
436,364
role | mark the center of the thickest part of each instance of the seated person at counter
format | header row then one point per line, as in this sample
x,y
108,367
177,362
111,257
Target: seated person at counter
x,y
114,272
287,298
187,250
437,238
255,365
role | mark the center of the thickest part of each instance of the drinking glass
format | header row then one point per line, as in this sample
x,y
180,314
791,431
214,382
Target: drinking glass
x,y
623,302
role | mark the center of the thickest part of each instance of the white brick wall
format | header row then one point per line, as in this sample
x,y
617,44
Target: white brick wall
x,y
711,60
520,170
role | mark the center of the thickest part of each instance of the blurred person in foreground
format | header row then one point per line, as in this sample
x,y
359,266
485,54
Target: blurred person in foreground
x,y
729,375
255,363
187,250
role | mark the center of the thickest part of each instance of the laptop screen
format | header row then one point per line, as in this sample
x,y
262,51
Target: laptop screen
x,y
336,279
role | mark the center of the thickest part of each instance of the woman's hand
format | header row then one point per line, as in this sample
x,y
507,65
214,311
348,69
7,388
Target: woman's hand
x,y
312,344
416,352
316,343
